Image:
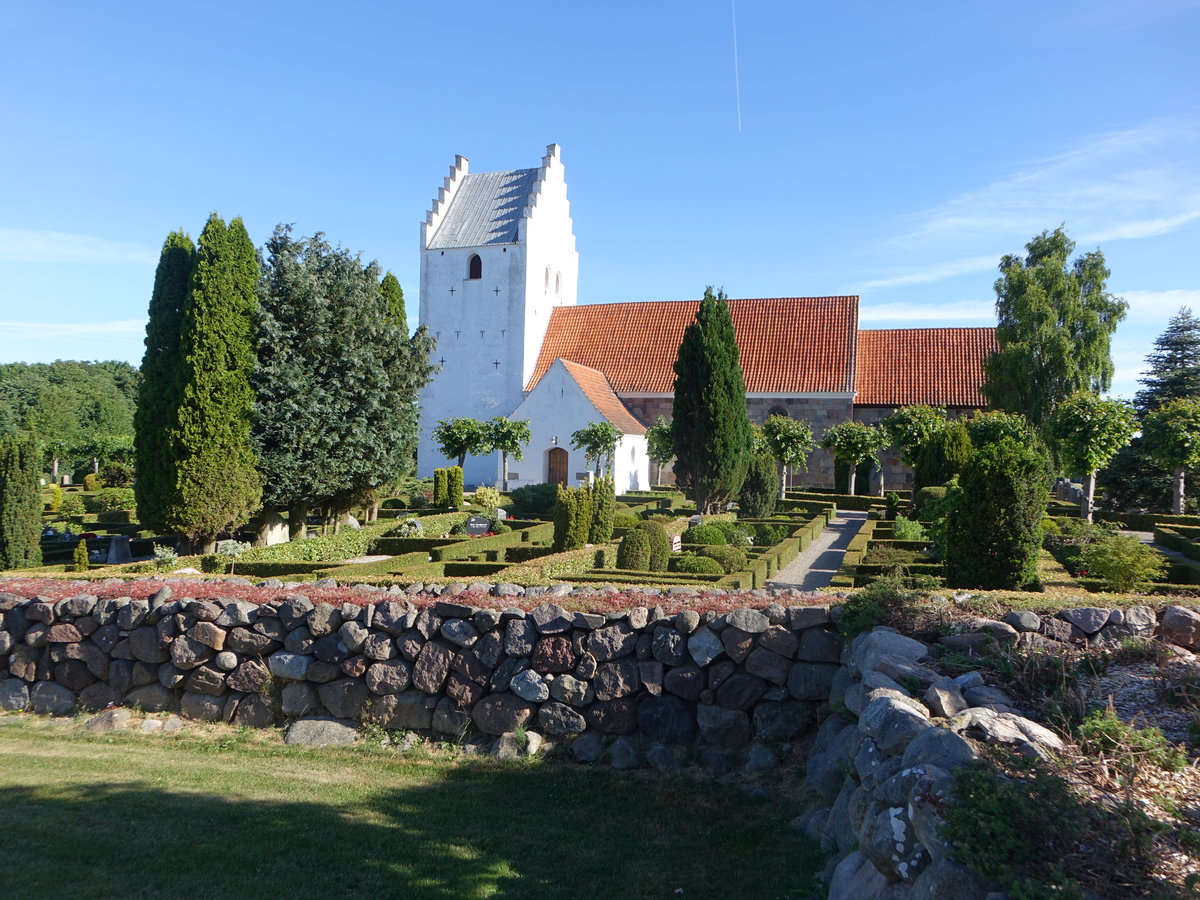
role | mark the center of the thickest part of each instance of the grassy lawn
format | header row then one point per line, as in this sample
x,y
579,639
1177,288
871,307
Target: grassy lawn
x,y
214,812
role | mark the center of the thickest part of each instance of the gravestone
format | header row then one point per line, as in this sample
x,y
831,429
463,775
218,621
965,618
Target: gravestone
x,y
676,543
477,526
118,550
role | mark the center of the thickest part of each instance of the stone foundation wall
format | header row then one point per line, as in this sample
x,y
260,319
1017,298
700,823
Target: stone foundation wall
x,y
441,665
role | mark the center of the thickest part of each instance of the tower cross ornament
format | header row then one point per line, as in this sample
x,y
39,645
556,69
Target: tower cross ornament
x,y
497,292
496,364
452,291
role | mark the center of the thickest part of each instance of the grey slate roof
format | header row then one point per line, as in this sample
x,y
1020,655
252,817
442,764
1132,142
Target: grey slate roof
x,y
485,210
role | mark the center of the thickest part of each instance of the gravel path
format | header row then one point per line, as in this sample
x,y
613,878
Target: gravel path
x,y
819,561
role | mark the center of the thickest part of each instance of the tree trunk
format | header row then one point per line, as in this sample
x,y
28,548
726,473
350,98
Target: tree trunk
x,y
1087,501
504,471
850,479
95,465
297,516
880,479
783,485
1177,504
54,470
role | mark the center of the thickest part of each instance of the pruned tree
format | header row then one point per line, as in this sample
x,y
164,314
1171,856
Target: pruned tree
x,y
20,502
988,426
911,427
1089,432
1055,324
598,441
660,445
461,437
217,474
1172,436
161,385
789,441
509,437
709,427
853,443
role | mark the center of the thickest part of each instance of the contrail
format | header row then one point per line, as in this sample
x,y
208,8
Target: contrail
x,y
737,86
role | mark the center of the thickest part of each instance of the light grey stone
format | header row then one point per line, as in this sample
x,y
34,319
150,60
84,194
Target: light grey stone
x,y
1023,620
320,732
289,666
530,686
891,723
704,646
748,620
624,754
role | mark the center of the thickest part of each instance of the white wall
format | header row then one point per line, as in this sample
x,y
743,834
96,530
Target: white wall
x,y
556,409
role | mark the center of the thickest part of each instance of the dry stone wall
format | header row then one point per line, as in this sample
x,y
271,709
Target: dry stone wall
x,y
725,681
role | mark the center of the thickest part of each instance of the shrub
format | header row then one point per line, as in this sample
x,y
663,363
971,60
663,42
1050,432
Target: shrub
x,y
1102,733
572,518
706,533
116,474
766,535
1122,562
454,487
409,528
164,556
634,551
55,499
80,557
908,530
698,565
625,520
894,505
212,564
872,605
731,558
72,505
660,545
91,482
992,537
943,456
441,496
487,498
534,501
759,491
394,503
604,508
737,534
924,497
110,499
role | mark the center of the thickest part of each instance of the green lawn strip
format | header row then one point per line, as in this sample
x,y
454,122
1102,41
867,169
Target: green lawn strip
x,y
121,816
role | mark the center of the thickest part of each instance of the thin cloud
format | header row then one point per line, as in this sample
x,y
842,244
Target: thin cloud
x,y
1157,307
24,245
37,331
938,272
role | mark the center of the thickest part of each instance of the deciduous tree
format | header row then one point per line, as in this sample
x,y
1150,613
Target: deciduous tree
x,y
1089,432
1172,435
911,427
598,441
1056,319
709,427
461,437
789,441
854,443
509,437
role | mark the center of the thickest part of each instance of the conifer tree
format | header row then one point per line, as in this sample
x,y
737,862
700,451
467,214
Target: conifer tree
x,y
393,295
218,479
154,420
709,427
1173,368
20,502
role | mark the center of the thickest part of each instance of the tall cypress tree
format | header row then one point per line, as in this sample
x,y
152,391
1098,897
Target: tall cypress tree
x,y
218,480
20,502
393,294
709,427
158,393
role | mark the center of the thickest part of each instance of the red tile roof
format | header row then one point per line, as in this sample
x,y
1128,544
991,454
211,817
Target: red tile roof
x,y
937,366
597,389
791,345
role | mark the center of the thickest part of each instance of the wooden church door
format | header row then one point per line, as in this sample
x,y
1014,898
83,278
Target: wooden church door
x,y
558,466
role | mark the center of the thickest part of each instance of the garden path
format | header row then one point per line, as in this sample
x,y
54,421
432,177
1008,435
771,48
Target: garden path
x,y
819,561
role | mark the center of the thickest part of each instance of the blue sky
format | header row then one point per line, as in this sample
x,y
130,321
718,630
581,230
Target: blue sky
x,y
892,151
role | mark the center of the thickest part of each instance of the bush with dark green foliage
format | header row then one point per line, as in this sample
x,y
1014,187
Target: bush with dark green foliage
x,y
604,507
634,551
572,518
20,502
731,558
993,530
441,495
625,520
454,487
115,473
660,545
80,557
91,482
705,533
109,499
766,535
698,565
760,490
944,456
72,505
534,501
737,534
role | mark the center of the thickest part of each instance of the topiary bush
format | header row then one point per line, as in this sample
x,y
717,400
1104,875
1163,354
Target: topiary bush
x,y
441,495
572,518
534,501
660,545
731,559
634,551
993,532
454,487
80,557
737,534
91,482
625,520
698,565
487,498
760,490
706,533
766,535
604,508
72,505
926,496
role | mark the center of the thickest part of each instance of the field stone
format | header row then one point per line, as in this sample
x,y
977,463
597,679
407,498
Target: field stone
x,y
352,635
588,747
188,653
378,647
298,698
612,642
726,728
748,620
1181,626
343,698
616,679
769,665
560,720
432,666
252,643
665,719
737,643
623,754
73,674
355,666
668,647
289,666
203,707
572,691
320,732
208,634
553,654
520,635
1023,620
760,758
498,713
254,711
110,720
323,619
51,699
891,723
663,758
389,677
249,677
152,698
145,645
686,682
613,716
1088,619
407,711
704,646
322,672
238,613
780,721
810,681
226,661
550,618
939,747
687,621
779,639
63,633
206,680
14,695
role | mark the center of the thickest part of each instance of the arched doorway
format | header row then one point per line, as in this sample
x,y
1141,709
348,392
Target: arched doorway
x,y
556,466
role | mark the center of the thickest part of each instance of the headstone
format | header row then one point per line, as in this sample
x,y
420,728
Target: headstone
x,y
501,514
477,526
676,543
118,550
272,530
696,520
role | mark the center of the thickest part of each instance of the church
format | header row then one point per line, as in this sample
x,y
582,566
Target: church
x,y
499,273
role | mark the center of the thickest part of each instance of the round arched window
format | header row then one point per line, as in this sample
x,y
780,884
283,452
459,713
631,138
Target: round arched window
x,y
777,411
474,267
558,283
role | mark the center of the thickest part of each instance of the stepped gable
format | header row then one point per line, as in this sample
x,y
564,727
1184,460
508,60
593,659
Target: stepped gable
x,y
597,389
485,209
936,366
787,345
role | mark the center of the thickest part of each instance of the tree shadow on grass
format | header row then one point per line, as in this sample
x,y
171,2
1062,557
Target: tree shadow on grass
x,y
479,831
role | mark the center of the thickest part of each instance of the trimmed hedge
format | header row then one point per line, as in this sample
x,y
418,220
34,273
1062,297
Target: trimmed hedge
x,y
1146,521
841,501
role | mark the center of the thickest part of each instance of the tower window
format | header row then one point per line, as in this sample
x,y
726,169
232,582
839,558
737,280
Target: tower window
x,y
474,267
558,283
547,278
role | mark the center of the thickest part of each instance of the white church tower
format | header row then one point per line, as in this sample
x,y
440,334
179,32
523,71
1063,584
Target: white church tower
x,y
497,255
